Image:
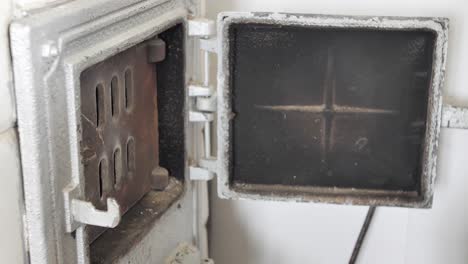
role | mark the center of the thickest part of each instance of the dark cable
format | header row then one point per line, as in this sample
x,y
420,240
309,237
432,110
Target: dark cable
x,y
362,235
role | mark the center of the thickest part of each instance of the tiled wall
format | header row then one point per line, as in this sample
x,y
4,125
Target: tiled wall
x,y
11,196
270,232
11,242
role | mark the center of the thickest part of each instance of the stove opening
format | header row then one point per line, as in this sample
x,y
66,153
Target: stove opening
x,y
133,147
328,107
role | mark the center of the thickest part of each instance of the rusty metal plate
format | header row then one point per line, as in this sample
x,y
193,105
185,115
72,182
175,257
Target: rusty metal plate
x,y
119,117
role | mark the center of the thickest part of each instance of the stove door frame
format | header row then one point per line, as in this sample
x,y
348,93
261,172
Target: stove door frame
x,y
50,48
226,189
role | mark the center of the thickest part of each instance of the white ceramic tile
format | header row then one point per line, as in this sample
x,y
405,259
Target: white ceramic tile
x,y
11,242
440,235
385,242
257,232
7,112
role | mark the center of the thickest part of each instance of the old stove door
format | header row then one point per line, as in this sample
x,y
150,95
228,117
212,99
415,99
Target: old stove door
x,y
100,96
329,108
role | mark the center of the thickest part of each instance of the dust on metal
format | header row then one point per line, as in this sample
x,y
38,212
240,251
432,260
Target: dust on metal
x,y
119,146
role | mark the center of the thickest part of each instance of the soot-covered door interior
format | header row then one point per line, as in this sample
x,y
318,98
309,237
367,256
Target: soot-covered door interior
x,y
334,111
334,108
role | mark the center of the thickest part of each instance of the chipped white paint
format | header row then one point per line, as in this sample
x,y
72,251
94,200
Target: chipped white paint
x,y
455,117
437,25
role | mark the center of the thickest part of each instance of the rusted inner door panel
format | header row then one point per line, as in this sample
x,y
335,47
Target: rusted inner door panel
x,y
119,118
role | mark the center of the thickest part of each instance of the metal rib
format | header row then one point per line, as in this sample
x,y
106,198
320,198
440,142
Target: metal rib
x,y
321,108
295,108
364,110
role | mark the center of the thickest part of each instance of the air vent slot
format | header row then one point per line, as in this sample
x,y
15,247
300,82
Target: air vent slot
x,y
115,96
115,115
142,148
128,88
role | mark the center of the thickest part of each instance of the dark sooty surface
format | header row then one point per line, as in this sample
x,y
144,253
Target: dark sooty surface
x,y
328,107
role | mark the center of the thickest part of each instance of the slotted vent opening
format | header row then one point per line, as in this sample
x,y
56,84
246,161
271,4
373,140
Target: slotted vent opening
x,y
117,168
115,95
132,111
101,172
128,88
100,110
103,178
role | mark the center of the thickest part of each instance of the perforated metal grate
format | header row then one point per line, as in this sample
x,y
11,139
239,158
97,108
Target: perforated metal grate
x,y
119,116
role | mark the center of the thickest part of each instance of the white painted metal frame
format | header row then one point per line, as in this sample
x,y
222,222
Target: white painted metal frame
x,y
332,195
49,50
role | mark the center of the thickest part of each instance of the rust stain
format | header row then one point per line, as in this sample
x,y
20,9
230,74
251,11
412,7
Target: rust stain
x,y
363,110
110,119
321,108
295,108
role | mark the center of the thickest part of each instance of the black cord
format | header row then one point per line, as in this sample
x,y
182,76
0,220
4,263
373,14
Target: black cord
x,y
362,234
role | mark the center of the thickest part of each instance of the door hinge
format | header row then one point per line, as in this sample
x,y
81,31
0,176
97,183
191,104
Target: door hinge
x,y
203,96
201,27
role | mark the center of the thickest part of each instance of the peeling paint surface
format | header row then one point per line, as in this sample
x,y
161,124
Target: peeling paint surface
x,y
455,117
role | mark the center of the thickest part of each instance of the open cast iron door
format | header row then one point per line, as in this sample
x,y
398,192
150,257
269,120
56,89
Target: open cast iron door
x,y
328,108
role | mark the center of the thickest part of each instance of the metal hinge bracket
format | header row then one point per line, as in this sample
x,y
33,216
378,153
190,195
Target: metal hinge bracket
x,y
201,27
203,95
